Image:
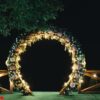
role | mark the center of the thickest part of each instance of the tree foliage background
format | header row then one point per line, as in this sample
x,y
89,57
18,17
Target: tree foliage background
x,y
27,15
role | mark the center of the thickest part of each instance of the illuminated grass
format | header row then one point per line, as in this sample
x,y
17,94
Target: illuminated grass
x,y
51,96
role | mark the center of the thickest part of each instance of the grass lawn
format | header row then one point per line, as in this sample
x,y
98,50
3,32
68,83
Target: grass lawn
x,y
50,96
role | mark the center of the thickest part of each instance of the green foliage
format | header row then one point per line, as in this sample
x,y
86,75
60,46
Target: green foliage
x,y
27,15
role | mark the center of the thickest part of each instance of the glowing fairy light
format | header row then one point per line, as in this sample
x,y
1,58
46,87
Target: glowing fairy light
x,y
46,35
18,58
20,76
22,45
39,37
65,84
74,67
70,76
19,50
81,81
95,75
27,87
23,82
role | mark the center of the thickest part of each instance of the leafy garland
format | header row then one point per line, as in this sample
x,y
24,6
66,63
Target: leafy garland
x,y
70,45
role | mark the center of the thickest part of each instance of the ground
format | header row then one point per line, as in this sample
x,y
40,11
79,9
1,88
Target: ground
x,y
50,96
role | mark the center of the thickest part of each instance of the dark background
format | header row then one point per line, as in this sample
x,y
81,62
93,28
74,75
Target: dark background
x,y
45,65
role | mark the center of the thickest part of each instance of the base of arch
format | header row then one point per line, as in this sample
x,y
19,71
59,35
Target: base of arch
x,y
88,73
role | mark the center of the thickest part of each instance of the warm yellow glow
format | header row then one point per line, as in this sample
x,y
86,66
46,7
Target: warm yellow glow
x,y
20,76
74,67
3,74
49,35
65,84
95,75
46,36
27,87
19,50
23,82
70,76
81,81
18,58
39,37
73,59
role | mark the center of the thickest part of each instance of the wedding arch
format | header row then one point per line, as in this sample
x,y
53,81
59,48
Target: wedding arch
x,y
20,46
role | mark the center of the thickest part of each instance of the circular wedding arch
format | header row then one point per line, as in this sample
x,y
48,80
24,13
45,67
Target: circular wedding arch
x,y
14,58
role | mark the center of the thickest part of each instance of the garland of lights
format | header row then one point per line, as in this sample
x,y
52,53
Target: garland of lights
x,y
12,62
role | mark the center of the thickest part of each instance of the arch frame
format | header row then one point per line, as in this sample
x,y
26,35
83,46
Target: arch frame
x,y
14,58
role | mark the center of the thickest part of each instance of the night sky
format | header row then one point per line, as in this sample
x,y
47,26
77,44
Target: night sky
x,y
45,64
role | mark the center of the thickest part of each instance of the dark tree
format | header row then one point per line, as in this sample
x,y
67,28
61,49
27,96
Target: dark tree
x,y
27,15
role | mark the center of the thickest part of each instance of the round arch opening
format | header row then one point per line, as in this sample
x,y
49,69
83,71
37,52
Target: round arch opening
x,y
70,45
45,65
